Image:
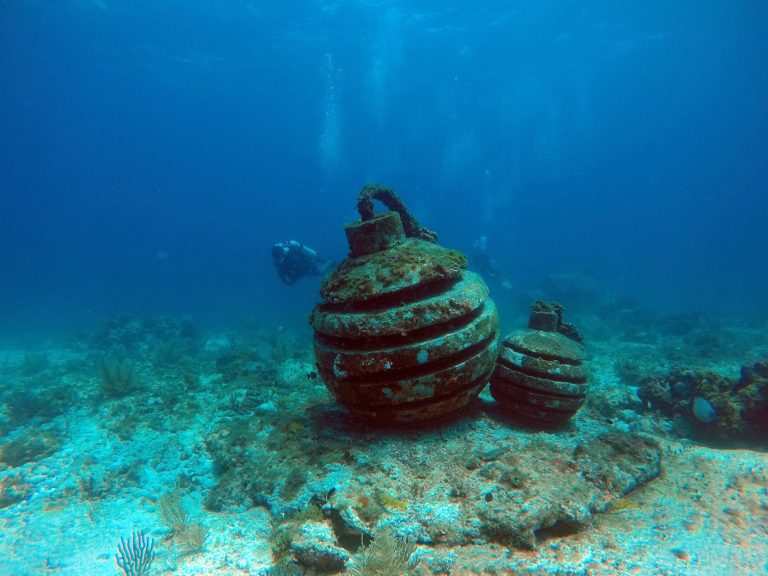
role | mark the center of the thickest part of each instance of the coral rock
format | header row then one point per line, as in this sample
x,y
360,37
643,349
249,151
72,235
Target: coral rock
x,y
315,546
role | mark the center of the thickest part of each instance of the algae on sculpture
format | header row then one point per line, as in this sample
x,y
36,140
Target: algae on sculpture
x,y
404,333
540,374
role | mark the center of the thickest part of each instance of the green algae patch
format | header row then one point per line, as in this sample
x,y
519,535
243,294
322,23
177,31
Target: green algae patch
x,y
29,448
412,263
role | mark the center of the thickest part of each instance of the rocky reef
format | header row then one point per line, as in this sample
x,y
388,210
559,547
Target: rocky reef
x,y
229,454
467,483
711,407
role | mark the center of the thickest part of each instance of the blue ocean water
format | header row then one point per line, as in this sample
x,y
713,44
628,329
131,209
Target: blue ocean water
x,y
159,390
152,152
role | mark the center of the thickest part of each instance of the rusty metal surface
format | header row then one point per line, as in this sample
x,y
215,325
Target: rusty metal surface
x,y
403,333
412,263
372,363
540,374
462,298
535,366
551,405
538,384
546,345
442,382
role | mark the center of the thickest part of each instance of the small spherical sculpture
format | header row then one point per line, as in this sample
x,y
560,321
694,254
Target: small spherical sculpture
x,y
540,374
403,333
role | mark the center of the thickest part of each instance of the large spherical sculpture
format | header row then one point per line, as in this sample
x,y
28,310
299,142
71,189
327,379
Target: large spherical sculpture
x,y
540,374
404,334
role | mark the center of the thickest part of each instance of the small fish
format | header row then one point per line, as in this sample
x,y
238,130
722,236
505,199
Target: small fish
x,y
703,410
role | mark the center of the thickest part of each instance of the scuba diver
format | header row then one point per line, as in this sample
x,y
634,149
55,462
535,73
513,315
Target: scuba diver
x,y
293,261
486,265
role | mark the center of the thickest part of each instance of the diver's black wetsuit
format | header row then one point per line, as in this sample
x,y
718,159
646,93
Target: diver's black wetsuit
x,y
293,261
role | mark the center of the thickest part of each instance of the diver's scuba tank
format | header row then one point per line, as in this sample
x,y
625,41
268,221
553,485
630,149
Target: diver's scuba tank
x,y
404,333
